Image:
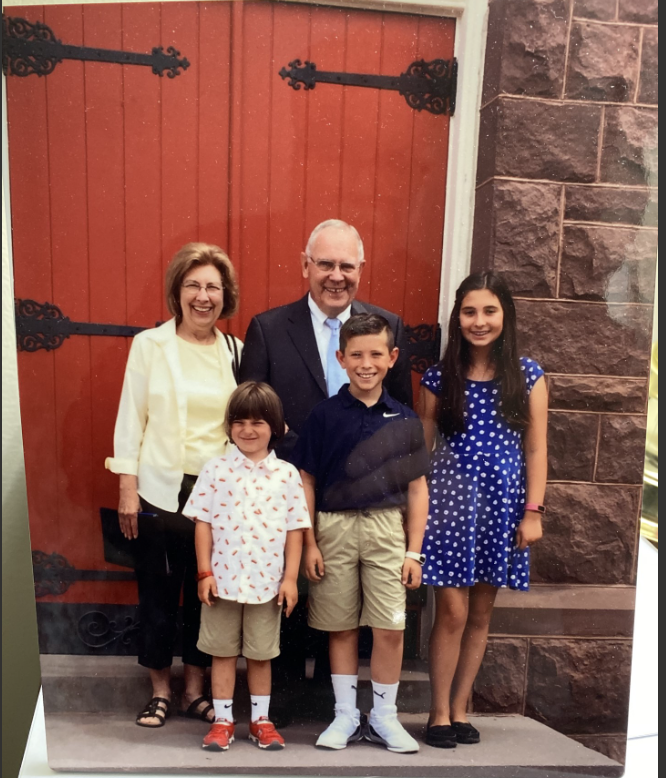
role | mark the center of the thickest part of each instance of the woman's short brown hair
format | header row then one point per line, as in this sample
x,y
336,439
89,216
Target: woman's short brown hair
x,y
195,255
256,400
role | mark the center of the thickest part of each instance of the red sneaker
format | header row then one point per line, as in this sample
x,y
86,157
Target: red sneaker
x,y
264,734
220,736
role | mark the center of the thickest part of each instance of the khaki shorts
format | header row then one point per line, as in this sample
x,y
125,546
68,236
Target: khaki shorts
x,y
230,628
363,552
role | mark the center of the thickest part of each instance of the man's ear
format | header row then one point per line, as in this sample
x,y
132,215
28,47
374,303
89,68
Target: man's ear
x,y
394,356
304,264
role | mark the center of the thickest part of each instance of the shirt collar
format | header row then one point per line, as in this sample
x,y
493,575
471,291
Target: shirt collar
x,y
321,317
240,460
348,399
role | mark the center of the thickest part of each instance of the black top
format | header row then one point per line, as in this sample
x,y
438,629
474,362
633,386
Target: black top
x,y
360,456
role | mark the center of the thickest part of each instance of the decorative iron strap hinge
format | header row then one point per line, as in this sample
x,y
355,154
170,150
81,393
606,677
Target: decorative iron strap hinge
x,y
32,47
427,86
43,326
54,575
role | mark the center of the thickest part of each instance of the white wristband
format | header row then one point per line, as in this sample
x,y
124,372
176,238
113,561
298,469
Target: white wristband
x,y
420,558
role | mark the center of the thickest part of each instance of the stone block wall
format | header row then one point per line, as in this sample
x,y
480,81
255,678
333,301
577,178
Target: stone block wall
x,y
566,211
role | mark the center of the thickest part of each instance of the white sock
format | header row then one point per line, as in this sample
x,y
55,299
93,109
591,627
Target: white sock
x,y
384,694
259,706
344,688
223,709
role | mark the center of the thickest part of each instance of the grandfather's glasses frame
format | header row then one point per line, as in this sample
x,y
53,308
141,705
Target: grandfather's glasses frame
x,y
328,266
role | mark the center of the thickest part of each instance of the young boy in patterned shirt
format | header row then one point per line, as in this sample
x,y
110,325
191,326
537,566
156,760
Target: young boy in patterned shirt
x,y
250,513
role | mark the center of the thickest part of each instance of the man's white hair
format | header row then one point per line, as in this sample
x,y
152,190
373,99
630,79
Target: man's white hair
x,y
338,224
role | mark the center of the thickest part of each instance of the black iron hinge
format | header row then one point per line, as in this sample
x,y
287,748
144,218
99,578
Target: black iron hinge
x,y
427,86
32,48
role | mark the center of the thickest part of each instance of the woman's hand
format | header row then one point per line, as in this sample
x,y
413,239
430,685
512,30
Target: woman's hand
x,y
288,593
129,506
529,530
314,563
207,590
411,573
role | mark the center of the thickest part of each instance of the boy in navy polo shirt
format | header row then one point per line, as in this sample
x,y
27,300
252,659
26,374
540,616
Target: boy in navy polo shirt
x,y
363,463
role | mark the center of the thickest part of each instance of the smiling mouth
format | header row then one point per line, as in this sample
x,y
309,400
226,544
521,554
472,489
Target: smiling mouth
x,y
201,310
366,376
335,289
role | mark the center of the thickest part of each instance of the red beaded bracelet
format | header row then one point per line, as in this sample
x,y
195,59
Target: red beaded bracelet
x,y
204,574
532,506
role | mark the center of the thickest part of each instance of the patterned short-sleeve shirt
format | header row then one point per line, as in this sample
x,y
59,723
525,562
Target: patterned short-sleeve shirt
x,y
250,507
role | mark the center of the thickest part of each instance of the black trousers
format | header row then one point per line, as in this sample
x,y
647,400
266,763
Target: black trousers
x,y
161,575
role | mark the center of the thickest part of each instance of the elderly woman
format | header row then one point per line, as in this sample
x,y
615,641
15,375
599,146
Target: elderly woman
x,y
170,422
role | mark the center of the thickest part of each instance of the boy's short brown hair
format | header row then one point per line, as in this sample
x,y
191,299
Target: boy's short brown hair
x,y
366,324
256,400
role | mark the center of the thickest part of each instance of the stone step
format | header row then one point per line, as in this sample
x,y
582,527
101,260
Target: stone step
x,y
80,684
511,747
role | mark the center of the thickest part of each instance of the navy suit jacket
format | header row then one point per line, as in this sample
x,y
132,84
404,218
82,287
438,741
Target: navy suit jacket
x,y
281,349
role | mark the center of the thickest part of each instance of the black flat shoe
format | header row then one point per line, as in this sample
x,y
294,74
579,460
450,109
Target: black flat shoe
x,y
465,733
441,736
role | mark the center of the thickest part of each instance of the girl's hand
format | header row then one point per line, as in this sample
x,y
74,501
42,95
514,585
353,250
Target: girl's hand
x,y
288,595
529,530
411,574
314,563
129,506
207,590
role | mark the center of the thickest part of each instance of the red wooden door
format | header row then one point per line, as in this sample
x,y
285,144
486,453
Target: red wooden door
x,y
112,169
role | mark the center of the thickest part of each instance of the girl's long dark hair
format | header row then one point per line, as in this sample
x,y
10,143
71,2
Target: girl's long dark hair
x,y
456,361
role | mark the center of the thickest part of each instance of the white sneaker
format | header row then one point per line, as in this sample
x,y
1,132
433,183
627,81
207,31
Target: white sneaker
x,y
344,729
385,728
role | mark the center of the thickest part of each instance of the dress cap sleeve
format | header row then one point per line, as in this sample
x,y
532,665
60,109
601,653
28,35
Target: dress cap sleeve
x,y
432,379
532,371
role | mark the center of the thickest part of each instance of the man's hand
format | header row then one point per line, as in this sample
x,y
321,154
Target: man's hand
x,y
529,530
314,563
288,595
207,590
129,506
411,574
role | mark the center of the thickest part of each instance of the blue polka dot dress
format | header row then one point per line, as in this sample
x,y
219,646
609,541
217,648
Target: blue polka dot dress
x,y
477,493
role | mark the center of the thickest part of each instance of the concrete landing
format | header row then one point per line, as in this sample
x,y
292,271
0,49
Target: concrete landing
x,y
511,747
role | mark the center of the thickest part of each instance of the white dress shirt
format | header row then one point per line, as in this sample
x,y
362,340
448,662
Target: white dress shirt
x,y
322,331
250,507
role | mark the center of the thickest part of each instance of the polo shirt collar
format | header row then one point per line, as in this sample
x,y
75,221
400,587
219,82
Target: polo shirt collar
x,y
321,317
347,399
240,460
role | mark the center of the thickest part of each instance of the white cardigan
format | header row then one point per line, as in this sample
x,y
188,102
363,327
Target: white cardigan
x,y
149,438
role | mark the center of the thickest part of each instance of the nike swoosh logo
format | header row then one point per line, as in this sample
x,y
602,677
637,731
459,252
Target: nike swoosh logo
x,y
228,706
390,415
254,703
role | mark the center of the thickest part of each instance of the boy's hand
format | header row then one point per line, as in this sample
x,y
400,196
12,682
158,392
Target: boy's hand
x,y
314,563
288,594
411,574
529,530
207,589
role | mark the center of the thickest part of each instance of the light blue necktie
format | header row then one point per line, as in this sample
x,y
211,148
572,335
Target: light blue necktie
x,y
335,375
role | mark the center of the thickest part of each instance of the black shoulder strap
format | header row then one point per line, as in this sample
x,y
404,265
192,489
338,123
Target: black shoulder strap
x,y
233,349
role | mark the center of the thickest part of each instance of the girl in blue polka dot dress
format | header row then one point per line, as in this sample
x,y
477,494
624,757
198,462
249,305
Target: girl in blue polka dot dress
x,y
486,410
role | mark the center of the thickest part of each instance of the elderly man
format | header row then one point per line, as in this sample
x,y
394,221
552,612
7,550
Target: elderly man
x,y
293,347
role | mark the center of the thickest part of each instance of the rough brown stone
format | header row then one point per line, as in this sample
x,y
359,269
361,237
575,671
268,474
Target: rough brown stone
x,y
608,263
589,535
621,450
516,234
612,205
601,10
526,48
597,393
579,686
612,746
586,338
572,446
640,11
500,684
603,62
553,141
630,147
649,87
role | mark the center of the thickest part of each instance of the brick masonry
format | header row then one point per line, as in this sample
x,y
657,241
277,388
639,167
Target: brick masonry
x,y
566,211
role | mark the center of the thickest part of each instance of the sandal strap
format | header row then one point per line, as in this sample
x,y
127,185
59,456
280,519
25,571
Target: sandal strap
x,y
154,710
192,708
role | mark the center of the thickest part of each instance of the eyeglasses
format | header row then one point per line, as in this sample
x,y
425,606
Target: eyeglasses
x,y
194,288
328,266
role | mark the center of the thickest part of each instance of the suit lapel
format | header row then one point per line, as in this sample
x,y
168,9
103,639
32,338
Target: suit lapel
x,y
299,329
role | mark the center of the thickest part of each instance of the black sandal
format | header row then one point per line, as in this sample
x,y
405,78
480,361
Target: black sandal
x,y
192,713
466,733
157,708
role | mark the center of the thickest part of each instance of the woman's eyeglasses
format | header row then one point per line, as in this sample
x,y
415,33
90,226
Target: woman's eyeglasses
x,y
194,288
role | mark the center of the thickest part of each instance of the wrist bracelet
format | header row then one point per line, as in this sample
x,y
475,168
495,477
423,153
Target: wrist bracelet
x,y
420,558
533,506
204,574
